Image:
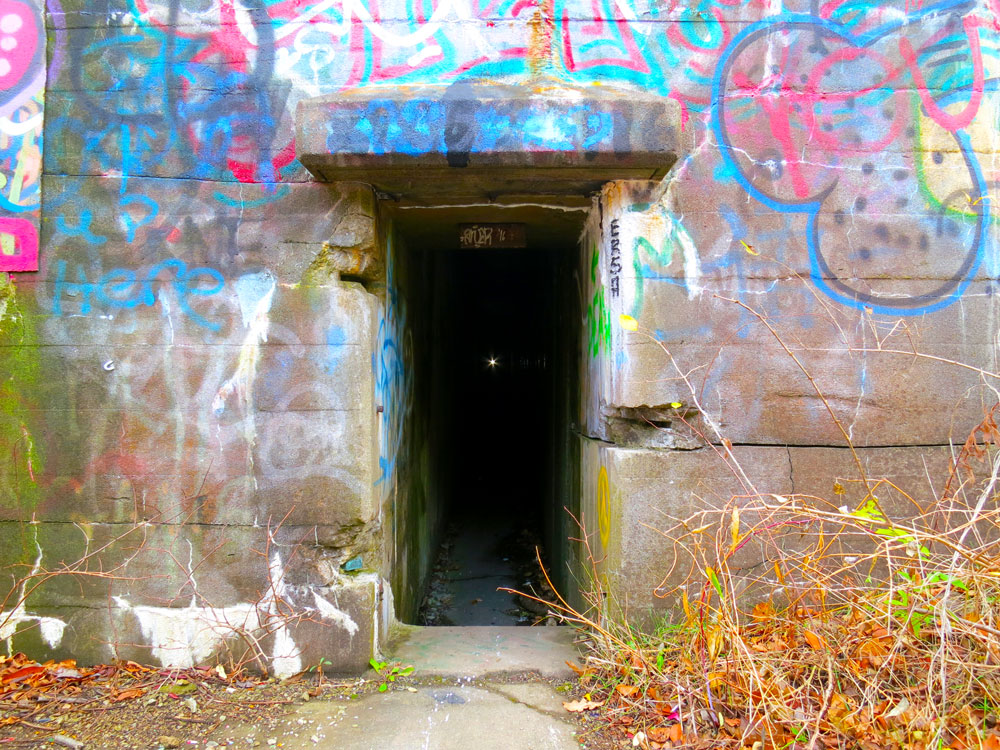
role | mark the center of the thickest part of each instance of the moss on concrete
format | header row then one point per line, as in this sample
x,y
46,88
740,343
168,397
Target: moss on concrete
x,y
19,372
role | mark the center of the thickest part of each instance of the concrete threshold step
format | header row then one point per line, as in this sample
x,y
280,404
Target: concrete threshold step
x,y
473,688
479,652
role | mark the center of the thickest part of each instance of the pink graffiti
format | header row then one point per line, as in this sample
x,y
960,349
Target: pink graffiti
x,y
19,37
942,118
614,33
25,234
807,117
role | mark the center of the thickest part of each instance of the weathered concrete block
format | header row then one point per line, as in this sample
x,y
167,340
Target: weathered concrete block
x,y
168,430
314,465
888,383
578,137
187,594
343,313
191,231
657,519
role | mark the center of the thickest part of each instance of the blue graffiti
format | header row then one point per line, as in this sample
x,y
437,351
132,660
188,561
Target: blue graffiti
x,y
122,289
335,340
811,202
82,229
392,378
463,125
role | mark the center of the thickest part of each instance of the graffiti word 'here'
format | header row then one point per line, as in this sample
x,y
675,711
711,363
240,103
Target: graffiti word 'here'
x,y
122,288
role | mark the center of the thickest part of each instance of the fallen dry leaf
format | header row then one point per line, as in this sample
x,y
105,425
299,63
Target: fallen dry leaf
x,y
814,641
125,695
23,673
672,733
576,707
627,691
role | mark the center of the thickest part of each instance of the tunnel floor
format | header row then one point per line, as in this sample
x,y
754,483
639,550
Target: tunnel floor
x,y
483,552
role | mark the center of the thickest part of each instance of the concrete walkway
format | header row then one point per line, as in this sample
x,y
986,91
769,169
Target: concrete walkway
x,y
483,652
488,688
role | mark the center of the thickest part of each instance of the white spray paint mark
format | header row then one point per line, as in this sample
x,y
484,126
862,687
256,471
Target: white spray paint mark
x,y
774,7
329,612
244,22
255,292
286,658
183,637
422,54
628,13
16,129
692,263
164,299
51,628
351,9
299,22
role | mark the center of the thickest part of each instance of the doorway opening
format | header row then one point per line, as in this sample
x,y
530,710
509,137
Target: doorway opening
x,y
495,391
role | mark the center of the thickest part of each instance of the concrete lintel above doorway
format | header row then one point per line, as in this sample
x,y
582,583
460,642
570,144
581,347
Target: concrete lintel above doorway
x,y
481,140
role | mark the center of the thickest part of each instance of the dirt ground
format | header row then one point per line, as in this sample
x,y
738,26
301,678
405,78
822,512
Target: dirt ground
x,y
128,707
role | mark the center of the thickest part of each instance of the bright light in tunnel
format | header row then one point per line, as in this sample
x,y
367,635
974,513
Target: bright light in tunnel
x,y
492,362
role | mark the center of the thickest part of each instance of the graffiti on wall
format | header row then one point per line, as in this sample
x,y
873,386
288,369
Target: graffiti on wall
x,y
471,117
22,85
213,87
850,104
393,379
603,506
866,131
598,312
798,103
123,289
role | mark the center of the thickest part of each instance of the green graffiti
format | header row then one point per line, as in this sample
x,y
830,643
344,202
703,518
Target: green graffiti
x,y
20,373
967,211
661,258
598,314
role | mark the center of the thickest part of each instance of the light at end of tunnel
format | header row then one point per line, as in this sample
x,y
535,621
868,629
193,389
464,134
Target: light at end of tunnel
x,y
492,362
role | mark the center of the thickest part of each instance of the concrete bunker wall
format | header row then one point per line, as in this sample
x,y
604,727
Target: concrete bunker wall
x,y
140,403
705,389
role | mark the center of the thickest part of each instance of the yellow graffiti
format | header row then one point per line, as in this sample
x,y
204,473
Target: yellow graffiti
x,y
603,506
941,164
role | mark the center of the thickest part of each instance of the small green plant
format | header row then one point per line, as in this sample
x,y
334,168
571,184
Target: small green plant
x,y
323,662
389,672
319,667
911,598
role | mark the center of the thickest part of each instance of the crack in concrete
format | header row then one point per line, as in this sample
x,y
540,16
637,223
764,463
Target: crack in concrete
x,y
791,469
498,691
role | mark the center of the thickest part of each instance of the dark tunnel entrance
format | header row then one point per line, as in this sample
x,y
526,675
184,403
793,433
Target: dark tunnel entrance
x,y
499,389
496,355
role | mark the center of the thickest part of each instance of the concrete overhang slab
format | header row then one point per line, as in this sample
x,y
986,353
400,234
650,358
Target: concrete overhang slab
x,y
484,139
